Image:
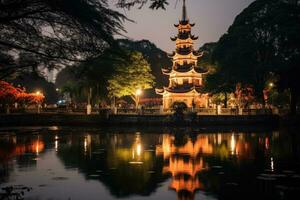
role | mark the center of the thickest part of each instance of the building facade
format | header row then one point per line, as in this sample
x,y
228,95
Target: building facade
x,y
185,77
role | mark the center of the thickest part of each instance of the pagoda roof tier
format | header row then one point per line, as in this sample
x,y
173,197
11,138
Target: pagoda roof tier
x,y
198,53
192,37
184,23
166,71
184,51
184,36
180,89
185,69
187,51
195,53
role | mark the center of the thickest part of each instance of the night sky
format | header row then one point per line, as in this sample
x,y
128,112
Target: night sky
x,y
212,18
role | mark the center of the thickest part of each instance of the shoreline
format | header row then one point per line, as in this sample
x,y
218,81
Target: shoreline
x,y
46,119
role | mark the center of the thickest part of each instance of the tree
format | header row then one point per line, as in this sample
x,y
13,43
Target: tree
x,y
53,33
133,74
33,82
263,40
156,57
217,82
155,4
10,94
77,80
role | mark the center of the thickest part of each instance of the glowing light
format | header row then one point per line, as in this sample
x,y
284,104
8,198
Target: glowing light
x,y
56,145
139,149
267,143
232,144
271,84
272,164
37,92
85,144
136,162
138,92
219,138
37,149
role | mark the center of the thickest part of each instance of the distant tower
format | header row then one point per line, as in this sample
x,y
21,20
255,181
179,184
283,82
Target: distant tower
x,y
185,77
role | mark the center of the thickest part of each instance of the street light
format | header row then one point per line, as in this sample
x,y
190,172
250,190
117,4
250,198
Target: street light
x,y
38,93
271,84
138,93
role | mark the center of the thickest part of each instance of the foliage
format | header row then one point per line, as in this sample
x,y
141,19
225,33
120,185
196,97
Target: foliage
x,y
155,4
10,94
217,98
36,82
244,95
263,40
53,33
78,79
179,107
206,59
95,74
133,74
156,57
280,99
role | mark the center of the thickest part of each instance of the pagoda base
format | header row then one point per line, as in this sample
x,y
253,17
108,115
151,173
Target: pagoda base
x,y
190,99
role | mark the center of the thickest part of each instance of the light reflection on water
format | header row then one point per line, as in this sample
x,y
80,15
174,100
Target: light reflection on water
x,y
64,164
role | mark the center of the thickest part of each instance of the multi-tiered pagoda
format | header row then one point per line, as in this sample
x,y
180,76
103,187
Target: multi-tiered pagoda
x,y
185,77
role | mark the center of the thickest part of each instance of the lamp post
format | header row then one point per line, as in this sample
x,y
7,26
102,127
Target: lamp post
x,y
138,93
89,106
38,93
271,86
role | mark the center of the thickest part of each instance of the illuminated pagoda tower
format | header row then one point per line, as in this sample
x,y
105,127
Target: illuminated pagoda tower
x,y
185,78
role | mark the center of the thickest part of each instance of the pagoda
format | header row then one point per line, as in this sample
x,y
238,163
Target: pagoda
x,y
185,77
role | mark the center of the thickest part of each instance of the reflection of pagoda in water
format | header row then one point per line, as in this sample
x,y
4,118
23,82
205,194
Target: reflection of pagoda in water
x,y
185,78
184,163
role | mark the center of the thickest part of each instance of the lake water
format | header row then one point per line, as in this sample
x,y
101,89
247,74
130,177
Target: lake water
x,y
81,163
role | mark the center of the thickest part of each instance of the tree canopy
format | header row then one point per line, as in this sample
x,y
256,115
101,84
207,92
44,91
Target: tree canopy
x,y
263,41
51,33
132,75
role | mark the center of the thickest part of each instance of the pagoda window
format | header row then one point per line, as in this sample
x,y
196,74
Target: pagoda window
x,y
179,81
173,83
197,82
185,81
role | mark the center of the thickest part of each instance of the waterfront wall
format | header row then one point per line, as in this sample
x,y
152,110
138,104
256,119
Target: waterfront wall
x,y
131,120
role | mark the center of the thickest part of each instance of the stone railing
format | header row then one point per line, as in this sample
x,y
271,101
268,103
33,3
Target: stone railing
x,y
156,111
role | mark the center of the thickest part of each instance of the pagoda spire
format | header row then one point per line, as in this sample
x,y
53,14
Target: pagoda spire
x,y
184,12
